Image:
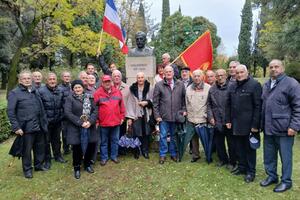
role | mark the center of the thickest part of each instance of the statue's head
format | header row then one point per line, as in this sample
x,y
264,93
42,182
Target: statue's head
x,y
141,39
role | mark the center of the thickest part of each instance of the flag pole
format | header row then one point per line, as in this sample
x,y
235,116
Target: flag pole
x,y
99,45
190,46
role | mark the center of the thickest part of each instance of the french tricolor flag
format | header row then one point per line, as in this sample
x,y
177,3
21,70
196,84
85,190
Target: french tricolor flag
x,y
112,24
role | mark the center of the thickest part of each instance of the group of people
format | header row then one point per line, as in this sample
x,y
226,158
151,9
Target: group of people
x,y
92,113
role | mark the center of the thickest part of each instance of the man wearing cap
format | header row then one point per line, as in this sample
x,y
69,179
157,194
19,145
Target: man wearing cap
x,y
168,100
111,113
280,122
243,117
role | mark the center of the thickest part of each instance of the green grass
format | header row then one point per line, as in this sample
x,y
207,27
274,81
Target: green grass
x,y
138,179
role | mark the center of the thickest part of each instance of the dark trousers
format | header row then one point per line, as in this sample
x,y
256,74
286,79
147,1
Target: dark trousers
x,y
220,137
78,155
53,138
246,155
284,144
145,140
66,146
35,142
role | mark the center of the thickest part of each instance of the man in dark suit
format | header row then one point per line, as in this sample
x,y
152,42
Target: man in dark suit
x,y
26,115
243,117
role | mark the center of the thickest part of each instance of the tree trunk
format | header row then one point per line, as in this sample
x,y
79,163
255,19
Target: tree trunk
x,y
13,70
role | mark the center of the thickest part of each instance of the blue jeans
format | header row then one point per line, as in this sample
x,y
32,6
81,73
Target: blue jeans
x,y
284,144
111,133
165,128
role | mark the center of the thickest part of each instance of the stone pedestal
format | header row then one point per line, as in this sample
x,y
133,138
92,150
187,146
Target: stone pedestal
x,y
140,64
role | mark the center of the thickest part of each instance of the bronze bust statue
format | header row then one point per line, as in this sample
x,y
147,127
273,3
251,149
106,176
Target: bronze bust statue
x,y
142,50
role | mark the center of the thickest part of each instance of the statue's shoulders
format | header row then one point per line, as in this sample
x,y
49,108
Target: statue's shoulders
x,y
146,51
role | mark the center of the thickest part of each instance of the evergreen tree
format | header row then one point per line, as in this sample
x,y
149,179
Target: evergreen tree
x,y
244,48
179,9
165,10
142,18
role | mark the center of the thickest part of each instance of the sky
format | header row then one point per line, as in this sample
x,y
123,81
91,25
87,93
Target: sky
x,y
225,14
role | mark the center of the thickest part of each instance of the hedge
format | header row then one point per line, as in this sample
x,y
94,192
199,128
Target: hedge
x,y
5,131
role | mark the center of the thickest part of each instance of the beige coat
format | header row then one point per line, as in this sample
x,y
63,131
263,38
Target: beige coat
x,y
196,104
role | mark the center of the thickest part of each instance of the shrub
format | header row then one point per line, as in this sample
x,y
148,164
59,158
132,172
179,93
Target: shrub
x,y
5,130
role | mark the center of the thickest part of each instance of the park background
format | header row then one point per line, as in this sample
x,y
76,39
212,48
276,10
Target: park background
x,y
57,35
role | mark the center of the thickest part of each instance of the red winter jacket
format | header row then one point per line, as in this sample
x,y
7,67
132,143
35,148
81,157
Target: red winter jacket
x,y
111,109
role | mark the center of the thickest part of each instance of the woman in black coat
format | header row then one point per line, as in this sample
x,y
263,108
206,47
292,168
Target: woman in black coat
x,y
81,115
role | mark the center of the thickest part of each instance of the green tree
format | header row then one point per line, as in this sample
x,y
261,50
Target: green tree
x,y
53,21
165,11
180,31
142,18
244,47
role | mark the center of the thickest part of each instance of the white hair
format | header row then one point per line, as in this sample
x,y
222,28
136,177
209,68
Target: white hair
x,y
242,67
234,62
169,67
80,74
140,74
116,72
198,72
24,72
167,55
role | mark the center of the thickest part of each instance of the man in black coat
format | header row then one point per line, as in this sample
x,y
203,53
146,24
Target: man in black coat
x,y
243,117
216,104
65,87
26,115
52,99
280,122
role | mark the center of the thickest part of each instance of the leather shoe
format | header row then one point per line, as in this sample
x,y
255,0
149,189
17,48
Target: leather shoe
x,y
116,161
238,172
47,165
28,174
60,160
146,155
249,178
77,174
281,187
162,160
103,162
195,159
89,169
42,169
174,158
268,181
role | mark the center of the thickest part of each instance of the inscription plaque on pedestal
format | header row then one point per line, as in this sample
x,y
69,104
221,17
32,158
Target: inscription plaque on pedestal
x,y
140,64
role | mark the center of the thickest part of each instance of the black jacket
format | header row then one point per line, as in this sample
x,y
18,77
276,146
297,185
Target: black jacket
x,y
243,108
25,110
72,111
66,90
53,103
216,103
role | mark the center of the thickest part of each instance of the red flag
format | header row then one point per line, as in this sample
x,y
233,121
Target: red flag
x,y
199,55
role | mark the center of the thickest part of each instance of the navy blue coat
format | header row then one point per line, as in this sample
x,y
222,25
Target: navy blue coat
x,y
243,108
53,103
281,106
25,110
